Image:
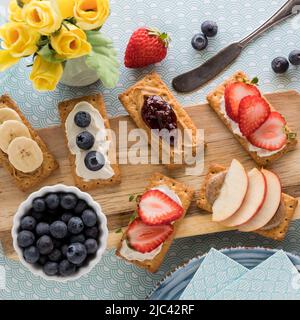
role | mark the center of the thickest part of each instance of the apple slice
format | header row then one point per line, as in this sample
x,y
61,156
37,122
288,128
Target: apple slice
x,y
270,206
253,201
232,193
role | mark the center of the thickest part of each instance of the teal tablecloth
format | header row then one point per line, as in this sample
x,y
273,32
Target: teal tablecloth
x,y
113,278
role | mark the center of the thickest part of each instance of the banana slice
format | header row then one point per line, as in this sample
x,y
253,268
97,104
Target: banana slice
x,y
25,154
8,114
10,130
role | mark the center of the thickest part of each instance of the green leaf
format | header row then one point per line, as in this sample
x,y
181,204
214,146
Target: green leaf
x,y
50,55
103,59
133,217
255,80
119,230
131,198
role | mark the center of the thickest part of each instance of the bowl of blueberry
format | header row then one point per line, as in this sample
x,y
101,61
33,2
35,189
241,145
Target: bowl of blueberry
x,y
60,233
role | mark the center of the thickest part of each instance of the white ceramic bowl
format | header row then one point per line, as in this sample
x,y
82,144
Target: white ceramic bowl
x,y
103,231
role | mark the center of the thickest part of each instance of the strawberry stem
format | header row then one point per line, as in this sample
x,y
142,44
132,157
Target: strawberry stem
x,y
163,36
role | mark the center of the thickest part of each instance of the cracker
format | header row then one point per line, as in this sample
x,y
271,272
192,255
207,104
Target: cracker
x,y
97,102
133,100
214,99
278,233
27,181
185,194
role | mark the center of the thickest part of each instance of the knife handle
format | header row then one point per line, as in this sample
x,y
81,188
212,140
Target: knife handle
x,y
290,8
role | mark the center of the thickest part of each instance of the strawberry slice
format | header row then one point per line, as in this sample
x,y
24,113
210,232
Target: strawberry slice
x,y
156,208
253,112
144,238
271,135
234,93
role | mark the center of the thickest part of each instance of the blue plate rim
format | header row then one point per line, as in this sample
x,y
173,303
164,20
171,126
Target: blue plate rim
x,y
223,250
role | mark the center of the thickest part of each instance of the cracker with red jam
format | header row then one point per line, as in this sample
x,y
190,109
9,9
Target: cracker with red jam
x,y
153,107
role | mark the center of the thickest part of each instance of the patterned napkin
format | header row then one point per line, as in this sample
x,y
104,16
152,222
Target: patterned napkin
x,y
274,279
216,272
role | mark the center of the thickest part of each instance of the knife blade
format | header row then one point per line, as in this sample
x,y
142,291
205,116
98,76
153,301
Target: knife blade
x,y
194,79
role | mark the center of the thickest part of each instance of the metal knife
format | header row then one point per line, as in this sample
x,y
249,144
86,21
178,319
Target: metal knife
x,y
194,79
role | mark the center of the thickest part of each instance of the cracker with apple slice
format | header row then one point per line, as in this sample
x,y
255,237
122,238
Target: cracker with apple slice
x,y
276,228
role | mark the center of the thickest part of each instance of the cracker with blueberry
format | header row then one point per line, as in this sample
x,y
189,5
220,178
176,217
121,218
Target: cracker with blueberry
x,y
258,127
94,167
152,106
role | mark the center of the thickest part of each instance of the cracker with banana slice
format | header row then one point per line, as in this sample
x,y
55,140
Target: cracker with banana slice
x,y
22,152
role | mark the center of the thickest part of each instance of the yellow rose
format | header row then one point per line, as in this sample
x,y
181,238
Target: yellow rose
x,y
91,14
70,44
42,16
66,8
45,75
6,60
18,39
15,11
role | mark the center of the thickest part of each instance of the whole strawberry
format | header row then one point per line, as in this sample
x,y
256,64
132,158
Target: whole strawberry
x,y
146,46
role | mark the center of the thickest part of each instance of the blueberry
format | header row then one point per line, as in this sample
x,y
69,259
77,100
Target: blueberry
x,y
66,217
94,161
55,255
280,65
25,238
80,238
58,229
52,201
45,245
80,207
89,217
31,255
294,57
199,41
64,249
91,246
91,232
85,140
28,223
75,225
66,268
209,28
38,216
76,253
82,119
43,260
39,205
51,268
42,229
68,201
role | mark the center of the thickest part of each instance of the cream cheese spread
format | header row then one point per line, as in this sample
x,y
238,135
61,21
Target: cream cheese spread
x,y
98,130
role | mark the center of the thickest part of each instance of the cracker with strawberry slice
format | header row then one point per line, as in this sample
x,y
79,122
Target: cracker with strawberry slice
x,y
259,128
158,217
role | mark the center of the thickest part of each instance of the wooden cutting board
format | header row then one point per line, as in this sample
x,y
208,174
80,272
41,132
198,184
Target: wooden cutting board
x,y
221,148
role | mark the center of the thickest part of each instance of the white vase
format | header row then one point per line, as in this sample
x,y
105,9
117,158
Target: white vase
x,y
78,74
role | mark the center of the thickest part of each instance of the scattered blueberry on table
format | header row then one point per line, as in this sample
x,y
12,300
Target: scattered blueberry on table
x,y
59,234
209,28
200,40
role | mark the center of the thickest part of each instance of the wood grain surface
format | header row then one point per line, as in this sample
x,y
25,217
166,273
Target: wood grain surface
x,y
221,148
